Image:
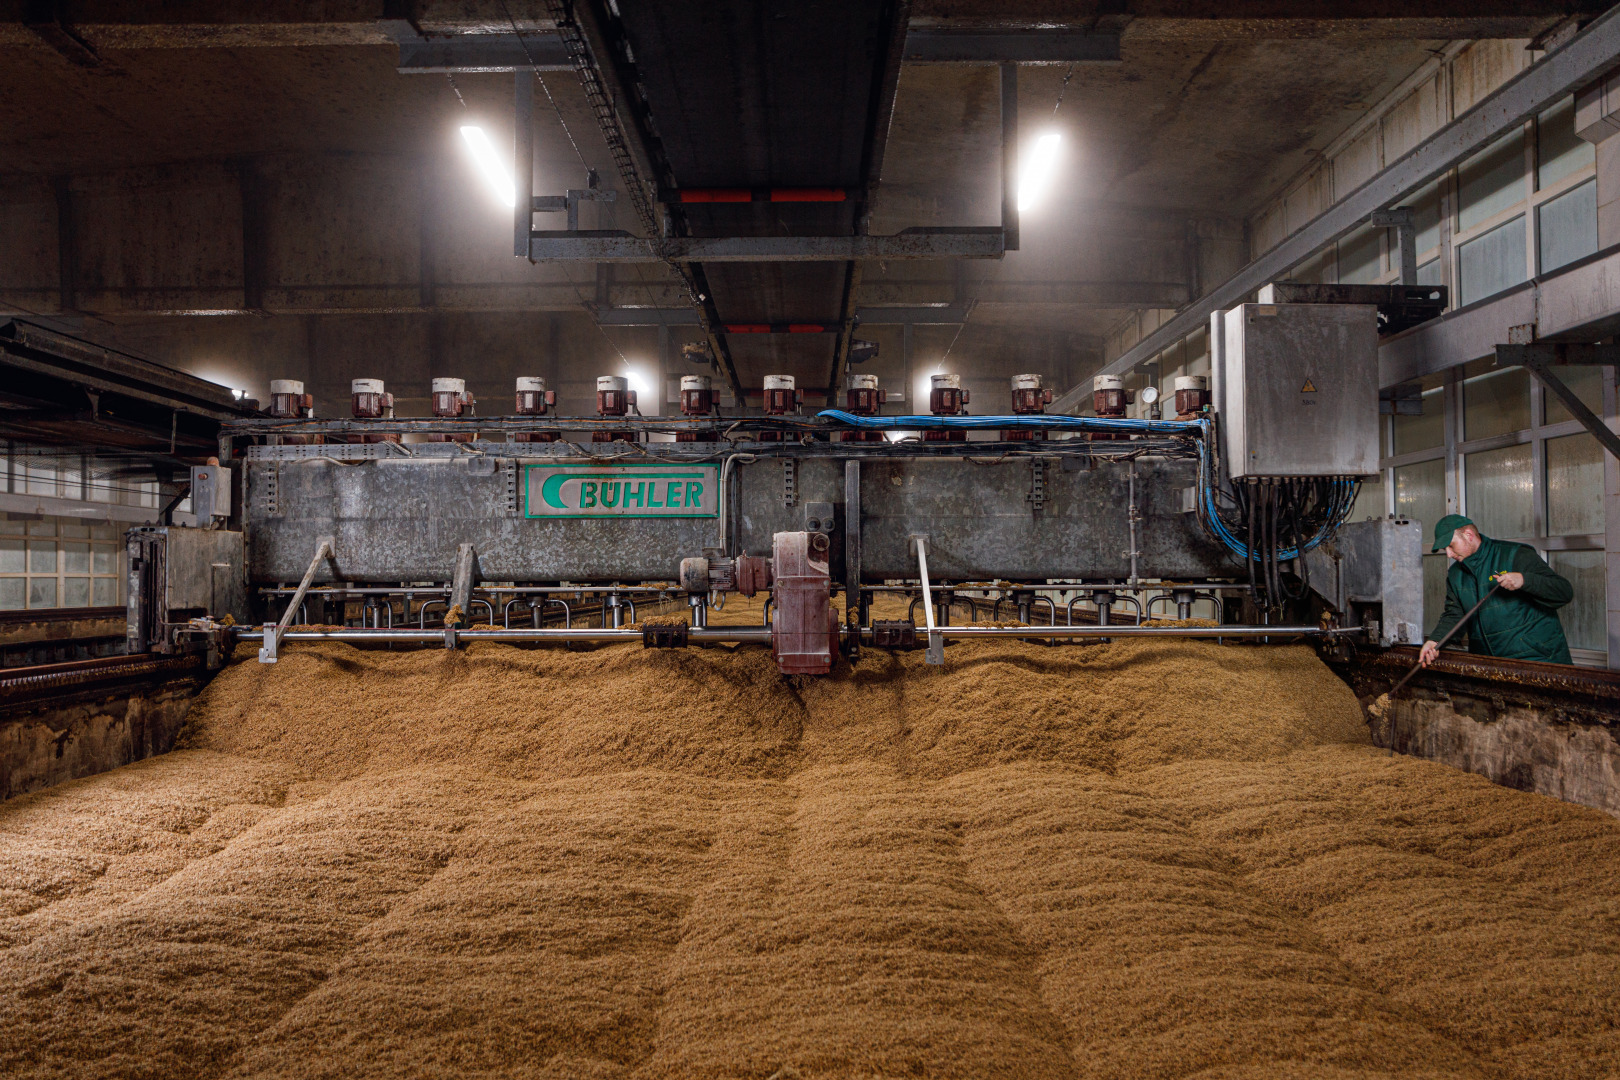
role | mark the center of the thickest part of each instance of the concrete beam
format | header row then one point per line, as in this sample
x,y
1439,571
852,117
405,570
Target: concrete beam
x,y
90,27
1585,57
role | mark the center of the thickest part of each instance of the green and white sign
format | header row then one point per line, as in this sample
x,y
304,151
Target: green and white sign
x,y
605,491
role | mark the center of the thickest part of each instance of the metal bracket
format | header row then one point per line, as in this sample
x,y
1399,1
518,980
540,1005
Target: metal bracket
x,y
509,472
569,203
790,482
936,641
663,635
1538,360
894,634
326,549
1037,485
461,586
1400,219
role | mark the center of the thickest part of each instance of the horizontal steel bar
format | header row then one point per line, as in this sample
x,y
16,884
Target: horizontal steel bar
x,y
484,52
1145,631
697,634
1016,46
762,635
541,51
970,242
922,315
754,195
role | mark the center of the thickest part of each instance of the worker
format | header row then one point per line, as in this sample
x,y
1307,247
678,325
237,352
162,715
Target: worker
x,y
1518,623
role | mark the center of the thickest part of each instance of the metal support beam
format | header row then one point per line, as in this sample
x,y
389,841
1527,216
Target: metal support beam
x,y
928,46
970,242
1539,360
523,164
852,551
67,245
1401,220
326,549
1009,156
943,315
1587,56
484,52
256,199
547,51
461,586
936,644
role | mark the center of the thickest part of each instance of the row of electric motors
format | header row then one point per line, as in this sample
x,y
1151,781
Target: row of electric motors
x,y
781,397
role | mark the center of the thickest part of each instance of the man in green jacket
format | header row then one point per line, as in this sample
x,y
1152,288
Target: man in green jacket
x,y
1518,623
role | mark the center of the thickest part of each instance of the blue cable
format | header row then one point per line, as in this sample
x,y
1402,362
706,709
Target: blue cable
x,y
1036,421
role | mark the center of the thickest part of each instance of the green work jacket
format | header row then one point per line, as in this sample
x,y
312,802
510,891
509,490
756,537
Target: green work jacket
x,y
1521,625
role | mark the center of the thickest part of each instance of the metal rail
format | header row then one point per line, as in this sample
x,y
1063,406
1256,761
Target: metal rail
x,y
762,634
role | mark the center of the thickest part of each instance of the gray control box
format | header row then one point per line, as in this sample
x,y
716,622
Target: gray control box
x,y
1301,390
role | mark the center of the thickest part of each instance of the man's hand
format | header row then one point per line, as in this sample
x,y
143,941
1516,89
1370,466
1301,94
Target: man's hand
x,y
1510,581
1428,654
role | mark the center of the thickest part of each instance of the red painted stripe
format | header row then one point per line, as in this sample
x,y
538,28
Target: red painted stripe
x,y
807,194
716,195
806,328
748,328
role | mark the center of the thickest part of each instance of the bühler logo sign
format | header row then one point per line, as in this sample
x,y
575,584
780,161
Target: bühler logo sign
x,y
576,491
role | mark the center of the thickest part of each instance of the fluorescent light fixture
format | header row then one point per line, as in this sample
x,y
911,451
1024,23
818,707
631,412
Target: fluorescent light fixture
x,y
494,171
1035,172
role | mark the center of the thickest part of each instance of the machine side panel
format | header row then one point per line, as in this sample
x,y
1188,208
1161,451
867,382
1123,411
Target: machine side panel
x,y
403,520
980,522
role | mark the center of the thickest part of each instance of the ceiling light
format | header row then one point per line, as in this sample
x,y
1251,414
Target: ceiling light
x,y
1035,172
494,171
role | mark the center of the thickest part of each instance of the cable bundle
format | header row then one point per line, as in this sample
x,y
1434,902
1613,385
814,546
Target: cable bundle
x,y
1271,521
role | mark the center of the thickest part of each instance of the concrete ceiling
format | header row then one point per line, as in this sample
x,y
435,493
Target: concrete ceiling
x,y
1213,107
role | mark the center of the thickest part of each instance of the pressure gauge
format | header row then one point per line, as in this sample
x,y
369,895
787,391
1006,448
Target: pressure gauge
x,y
1148,394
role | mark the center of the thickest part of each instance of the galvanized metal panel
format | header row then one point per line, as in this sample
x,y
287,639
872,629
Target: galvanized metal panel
x,y
1301,388
403,519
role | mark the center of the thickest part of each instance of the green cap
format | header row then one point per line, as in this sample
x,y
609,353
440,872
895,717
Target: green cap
x,y
1445,527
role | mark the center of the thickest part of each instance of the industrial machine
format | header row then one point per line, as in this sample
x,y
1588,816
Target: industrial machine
x,y
499,528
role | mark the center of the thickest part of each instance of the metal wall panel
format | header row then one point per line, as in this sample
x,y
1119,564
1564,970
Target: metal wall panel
x,y
1301,390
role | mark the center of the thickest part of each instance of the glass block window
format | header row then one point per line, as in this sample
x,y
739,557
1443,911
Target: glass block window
x,y
1431,273
1488,264
1559,151
1369,500
1361,258
1423,432
1583,617
1567,227
58,563
1574,486
1499,492
1496,402
1426,217
1434,586
1587,382
1490,181
1420,492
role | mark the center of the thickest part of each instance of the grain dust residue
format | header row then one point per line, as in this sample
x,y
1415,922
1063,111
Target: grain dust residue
x,y
1141,859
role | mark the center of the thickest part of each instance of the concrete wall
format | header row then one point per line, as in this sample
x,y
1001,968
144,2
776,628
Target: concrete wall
x,y
1540,750
65,739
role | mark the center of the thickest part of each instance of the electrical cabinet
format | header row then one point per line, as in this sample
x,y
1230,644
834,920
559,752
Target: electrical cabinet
x,y
1300,390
